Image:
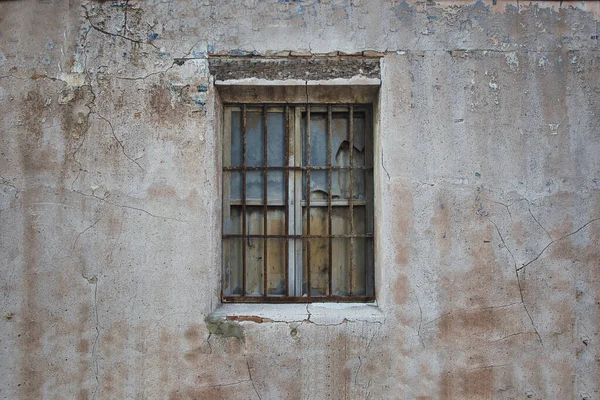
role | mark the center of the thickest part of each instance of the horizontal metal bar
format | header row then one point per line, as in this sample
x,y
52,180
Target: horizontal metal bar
x,y
275,236
298,167
313,203
312,299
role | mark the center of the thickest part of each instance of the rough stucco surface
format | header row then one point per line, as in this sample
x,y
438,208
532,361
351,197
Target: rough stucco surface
x,y
487,186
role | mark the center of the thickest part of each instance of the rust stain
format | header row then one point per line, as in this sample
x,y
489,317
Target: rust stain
x,y
401,289
31,369
403,209
248,318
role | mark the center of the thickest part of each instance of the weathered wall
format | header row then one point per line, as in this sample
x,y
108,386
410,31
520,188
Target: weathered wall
x,y
488,217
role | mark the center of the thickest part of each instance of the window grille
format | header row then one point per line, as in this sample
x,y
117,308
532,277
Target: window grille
x,y
297,203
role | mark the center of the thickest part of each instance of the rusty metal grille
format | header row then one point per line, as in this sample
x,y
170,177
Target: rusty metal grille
x,y
297,203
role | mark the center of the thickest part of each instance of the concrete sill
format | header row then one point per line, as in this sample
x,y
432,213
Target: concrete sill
x,y
317,313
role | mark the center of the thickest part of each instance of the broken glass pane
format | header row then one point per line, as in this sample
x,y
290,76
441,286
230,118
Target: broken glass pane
x,y
340,184
318,185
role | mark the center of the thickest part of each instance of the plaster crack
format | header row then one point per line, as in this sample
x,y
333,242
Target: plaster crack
x,y
93,280
6,182
420,321
97,28
112,129
557,240
535,219
103,199
252,381
519,284
139,78
514,334
383,166
358,369
79,235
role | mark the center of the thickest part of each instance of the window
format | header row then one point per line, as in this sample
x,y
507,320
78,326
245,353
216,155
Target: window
x,y
297,203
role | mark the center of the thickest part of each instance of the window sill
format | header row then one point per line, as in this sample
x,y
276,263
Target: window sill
x,y
317,313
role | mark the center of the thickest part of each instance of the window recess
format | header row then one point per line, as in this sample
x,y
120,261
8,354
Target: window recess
x,y
297,203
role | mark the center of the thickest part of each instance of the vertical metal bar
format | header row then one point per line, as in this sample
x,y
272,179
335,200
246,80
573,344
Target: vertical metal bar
x,y
287,205
296,202
244,232
308,291
265,281
351,190
329,198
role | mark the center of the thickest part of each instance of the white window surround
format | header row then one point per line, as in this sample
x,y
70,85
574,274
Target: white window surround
x,y
316,313
358,90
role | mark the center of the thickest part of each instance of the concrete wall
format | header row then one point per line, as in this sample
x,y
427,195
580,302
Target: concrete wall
x,y
487,186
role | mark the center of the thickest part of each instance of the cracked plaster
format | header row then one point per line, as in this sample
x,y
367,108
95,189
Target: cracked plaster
x,y
488,218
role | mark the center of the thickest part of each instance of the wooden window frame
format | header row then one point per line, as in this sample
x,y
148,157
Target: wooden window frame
x,y
294,170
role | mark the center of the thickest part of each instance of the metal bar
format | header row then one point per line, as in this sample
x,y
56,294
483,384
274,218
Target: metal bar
x,y
276,236
291,300
329,200
351,190
299,167
244,199
282,299
287,200
308,200
265,253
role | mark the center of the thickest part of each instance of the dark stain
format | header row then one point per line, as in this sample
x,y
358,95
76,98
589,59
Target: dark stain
x,y
31,369
165,105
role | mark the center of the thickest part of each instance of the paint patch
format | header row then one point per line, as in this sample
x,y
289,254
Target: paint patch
x,y
224,327
512,60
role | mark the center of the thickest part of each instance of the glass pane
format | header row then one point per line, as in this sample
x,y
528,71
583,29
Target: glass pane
x,y
276,267
254,139
360,263
318,140
340,267
254,220
276,187
254,266
235,185
232,267
319,185
318,221
340,184
276,139
319,272
340,220
276,221
236,138
232,220
341,139
254,187
344,281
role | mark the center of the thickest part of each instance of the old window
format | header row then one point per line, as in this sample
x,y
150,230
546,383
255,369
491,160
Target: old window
x,y
297,203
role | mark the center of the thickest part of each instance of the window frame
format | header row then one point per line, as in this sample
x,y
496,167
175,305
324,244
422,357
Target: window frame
x,y
293,191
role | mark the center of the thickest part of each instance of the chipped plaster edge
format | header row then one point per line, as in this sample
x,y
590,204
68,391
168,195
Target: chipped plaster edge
x,y
317,313
354,81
